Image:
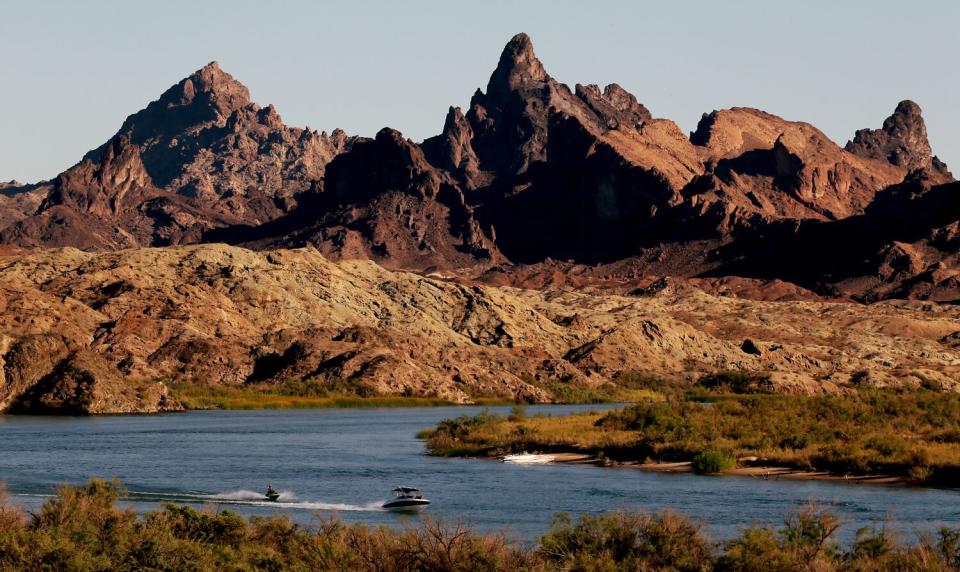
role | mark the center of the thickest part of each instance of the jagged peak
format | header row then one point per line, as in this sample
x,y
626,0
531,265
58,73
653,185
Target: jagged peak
x,y
207,95
907,107
220,88
902,140
614,105
455,120
518,66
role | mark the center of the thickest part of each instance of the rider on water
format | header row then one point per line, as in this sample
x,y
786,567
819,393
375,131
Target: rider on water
x,y
270,491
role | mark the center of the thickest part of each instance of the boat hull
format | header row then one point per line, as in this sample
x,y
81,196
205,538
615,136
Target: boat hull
x,y
406,505
528,459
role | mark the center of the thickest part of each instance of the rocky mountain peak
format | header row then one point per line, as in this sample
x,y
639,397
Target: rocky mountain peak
x,y
210,86
902,140
518,66
208,96
452,149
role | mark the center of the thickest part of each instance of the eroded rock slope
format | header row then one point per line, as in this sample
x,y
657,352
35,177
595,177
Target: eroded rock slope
x,y
98,331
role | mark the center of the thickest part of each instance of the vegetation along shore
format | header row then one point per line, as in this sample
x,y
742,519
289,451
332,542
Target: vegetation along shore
x,y
871,434
81,528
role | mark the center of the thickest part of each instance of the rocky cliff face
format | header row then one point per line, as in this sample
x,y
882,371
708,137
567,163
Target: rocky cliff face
x,y
90,332
202,156
384,201
902,141
761,168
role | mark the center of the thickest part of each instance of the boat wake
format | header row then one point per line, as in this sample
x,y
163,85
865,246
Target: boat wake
x,y
245,495
252,498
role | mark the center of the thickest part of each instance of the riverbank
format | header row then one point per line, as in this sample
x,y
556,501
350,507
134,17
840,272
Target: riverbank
x,y
762,472
299,395
870,436
245,398
81,528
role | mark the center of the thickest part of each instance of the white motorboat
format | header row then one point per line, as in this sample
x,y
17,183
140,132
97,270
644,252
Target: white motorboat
x,y
528,458
408,499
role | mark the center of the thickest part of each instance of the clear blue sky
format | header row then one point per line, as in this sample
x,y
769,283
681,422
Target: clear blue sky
x,y
70,71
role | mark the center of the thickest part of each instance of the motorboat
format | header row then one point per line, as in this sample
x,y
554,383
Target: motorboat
x,y
407,499
272,495
528,458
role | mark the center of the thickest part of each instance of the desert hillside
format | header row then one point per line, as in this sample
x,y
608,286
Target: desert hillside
x,y
102,332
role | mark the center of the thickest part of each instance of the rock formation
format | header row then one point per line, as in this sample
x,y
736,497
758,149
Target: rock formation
x,y
384,201
92,332
902,141
202,156
534,179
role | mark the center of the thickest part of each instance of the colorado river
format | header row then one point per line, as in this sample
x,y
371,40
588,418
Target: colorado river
x,y
347,460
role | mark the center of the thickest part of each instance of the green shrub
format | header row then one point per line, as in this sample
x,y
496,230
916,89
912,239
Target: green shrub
x,y
626,541
518,412
712,462
739,382
795,442
80,529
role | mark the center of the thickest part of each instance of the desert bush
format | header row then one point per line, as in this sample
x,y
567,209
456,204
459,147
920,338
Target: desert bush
x,y
756,549
739,382
713,462
518,412
626,541
80,529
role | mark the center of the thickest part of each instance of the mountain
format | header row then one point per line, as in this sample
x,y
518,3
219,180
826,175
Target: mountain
x,y
533,179
94,332
201,156
385,202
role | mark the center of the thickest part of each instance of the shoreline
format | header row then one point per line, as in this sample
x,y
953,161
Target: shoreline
x,y
762,472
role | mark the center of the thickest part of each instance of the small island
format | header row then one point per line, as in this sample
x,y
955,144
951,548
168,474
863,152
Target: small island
x,y
872,435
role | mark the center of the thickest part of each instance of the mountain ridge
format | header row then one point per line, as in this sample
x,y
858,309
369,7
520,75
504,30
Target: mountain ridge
x,y
531,172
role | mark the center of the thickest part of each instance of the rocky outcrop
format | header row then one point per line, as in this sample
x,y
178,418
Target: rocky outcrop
x,y
229,316
86,383
202,156
544,173
761,168
902,246
41,374
452,150
18,201
902,141
615,105
384,201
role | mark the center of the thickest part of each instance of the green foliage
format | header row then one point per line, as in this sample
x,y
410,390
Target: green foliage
x,y
626,541
292,394
80,529
448,437
913,434
739,382
713,462
518,412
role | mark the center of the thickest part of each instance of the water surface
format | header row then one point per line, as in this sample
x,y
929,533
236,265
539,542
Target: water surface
x,y
347,460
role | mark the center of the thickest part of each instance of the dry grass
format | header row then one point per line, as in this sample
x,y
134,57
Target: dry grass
x,y
199,396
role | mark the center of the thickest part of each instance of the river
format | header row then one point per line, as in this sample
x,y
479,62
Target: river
x,y
347,460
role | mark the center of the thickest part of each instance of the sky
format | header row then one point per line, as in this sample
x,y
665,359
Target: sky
x,y
71,72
